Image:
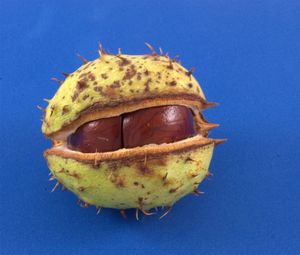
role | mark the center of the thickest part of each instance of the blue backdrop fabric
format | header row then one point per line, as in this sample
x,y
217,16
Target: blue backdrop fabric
x,y
247,58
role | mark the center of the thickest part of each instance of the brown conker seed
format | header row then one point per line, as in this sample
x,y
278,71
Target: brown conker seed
x,y
163,124
98,136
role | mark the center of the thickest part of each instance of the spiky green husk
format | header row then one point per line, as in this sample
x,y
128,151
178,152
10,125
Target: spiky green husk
x,y
113,80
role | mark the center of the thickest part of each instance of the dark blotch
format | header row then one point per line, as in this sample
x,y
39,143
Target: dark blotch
x,y
85,97
91,77
75,95
129,74
147,87
104,76
173,83
115,84
123,61
65,109
190,85
81,85
173,190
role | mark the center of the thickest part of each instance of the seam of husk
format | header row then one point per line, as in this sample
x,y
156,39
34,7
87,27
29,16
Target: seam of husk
x,y
151,151
97,111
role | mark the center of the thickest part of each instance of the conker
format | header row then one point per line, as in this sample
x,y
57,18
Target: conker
x,y
163,124
98,136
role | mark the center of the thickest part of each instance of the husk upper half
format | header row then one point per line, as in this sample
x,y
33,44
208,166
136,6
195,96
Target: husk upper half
x,y
114,84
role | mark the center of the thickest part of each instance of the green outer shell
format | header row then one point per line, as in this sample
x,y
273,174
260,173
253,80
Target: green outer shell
x,y
137,183
114,79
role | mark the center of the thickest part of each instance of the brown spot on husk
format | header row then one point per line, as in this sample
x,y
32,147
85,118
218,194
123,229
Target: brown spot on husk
x,y
91,77
147,88
123,61
85,97
81,189
75,95
67,172
172,83
144,170
174,189
104,76
81,85
188,159
115,84
130,73
65,109
139,77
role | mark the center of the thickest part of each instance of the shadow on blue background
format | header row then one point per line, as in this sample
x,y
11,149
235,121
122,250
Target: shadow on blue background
x,y
247,58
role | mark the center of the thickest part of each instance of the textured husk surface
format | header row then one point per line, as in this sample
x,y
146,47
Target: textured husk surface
x,y
140,182
120,82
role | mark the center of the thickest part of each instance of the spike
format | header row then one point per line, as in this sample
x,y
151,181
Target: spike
x,y
209,174
165,177
46,100
175,59
208,126
65,74
123,213
153,52
197,192
119,51
146,213
166,212
219,141
108,52
145,160
209,104
161,51
63,188
41,108
167,55
55,187
52,178
101,50
96,160
84,60
190,72
137,214
84,204
98,209
57,80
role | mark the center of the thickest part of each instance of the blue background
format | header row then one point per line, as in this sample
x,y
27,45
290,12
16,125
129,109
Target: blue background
x,y
247,58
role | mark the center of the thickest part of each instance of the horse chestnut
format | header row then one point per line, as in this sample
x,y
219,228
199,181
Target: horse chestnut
x,y
162,124
128,132
97,136
156,125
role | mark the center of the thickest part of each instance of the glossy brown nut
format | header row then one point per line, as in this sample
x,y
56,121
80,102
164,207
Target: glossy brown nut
x,y
99,135
164,124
